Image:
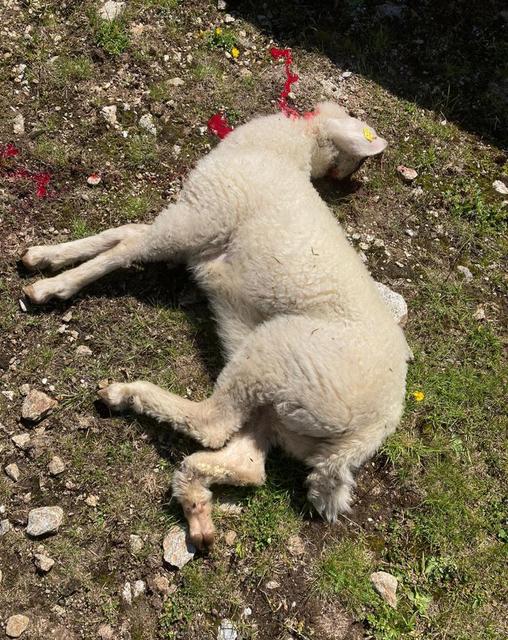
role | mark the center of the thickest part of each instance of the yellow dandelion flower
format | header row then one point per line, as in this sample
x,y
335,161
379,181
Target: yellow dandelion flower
x,y
234,52
218,31
418,396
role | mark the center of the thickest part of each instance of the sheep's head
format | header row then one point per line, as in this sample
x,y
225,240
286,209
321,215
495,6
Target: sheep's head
x,y
343,142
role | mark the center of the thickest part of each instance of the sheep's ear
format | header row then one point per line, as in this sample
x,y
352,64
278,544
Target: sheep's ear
x,y
355,137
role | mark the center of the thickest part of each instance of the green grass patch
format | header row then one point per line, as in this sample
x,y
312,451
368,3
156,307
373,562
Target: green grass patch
x,y
112,36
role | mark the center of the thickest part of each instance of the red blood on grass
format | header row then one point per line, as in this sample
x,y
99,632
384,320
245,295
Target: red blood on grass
x,y
291,78
219,126
41,179
9,151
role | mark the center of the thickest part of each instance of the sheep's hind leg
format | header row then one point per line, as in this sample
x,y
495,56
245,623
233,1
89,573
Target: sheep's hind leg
x,y
241,462
62,255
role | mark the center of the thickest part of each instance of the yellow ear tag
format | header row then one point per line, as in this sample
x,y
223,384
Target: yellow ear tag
x,y
368,134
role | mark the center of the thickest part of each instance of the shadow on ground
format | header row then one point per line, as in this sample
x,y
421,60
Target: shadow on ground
x,y
451,57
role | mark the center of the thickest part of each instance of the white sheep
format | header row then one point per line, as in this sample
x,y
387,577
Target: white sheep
x,y
315,361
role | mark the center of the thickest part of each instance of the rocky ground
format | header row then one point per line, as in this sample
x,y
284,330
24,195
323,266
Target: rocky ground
x,y
103,113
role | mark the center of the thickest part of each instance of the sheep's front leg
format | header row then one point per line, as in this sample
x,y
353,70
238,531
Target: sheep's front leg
x,y
65,285
241,462
58,256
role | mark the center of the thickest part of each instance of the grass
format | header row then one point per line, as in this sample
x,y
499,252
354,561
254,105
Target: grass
x,y
111,35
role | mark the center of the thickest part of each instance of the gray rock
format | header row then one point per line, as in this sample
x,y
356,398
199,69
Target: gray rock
x,y
135,543
12,470
177,548
407,173
56,466
272,584
127,593
146,122
5,527
395,303
500,187
176,82
18,125
110,10
16,625
296,546
37,405
105,632
43,563
162,585
109,114
44,520
22,441
386,585
83,350
390,10
221,5
138,588
465,272
227,630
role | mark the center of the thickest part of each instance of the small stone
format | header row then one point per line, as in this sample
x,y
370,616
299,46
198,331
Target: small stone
x,y
221,5
12,470
230,537
67,317
37,405
105,632
407,173
24,389
43,563
228,18
390,10
94,179
465,272
92,501
84,422
410,232
395,303
177,549
346,74
138,588
146,122
16,625
56,466
500,187
135,543
162,585
127,593
22,305
176,82
18,125
296,546
5,527
83,350
247,612
227,630
272,584
110,10
229,507
22,441
386,585
109,114
44,520
479,314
